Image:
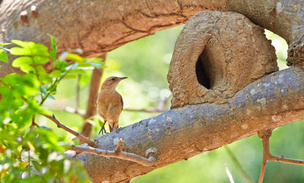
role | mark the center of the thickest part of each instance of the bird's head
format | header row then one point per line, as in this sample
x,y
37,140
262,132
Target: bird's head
x,y
112,82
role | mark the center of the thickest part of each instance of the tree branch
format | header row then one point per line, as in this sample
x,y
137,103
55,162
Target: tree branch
x,y
185,132
264,135
119,26
118,153
267,156
78,135
152,110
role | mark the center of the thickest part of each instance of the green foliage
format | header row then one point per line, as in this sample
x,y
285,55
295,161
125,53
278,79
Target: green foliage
x,y
3,55
27,152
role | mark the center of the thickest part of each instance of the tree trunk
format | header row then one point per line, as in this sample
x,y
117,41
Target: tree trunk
x,y
100,26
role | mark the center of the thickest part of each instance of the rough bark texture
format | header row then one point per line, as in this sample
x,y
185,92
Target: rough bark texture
x,y
98,26
216,55
178,134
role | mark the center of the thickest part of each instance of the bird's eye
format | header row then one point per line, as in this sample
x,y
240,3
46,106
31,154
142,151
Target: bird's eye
x,y
113,79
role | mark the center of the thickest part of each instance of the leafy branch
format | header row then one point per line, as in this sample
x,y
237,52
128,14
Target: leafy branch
x,y
28,151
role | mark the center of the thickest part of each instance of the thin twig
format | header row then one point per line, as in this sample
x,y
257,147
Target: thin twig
x,y
286,160
120,155
78,135
265,135
152,110
34,123
238,165
119,146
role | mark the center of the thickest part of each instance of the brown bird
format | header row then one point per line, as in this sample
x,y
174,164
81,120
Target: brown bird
x,y
109,103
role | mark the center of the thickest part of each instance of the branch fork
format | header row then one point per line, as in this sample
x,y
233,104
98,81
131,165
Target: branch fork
x,y
267,156
118,153
151,153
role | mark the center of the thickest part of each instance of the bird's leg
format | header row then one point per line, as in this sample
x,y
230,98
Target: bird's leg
x,y
103,128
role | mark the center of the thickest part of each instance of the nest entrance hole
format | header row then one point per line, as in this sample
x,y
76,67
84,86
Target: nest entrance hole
x,y
201,70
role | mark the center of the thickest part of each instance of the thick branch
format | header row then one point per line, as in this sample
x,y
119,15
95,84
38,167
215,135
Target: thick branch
x,y
101,26
76,134
178,134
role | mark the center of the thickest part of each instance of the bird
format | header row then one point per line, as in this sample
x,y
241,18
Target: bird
x,y
109,103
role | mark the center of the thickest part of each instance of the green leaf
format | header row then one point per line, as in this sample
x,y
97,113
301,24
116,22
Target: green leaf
x,y
22,43
20,51
40,59
55,74
3,56
69,76
45,78
4,44
60,65
40,50
75,58
22,61
27,69
40,70
95,60
29,48
33,79
53,42
53,54
37,165
24,49
45,112
77,71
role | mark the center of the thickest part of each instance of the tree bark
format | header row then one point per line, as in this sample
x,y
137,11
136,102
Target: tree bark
x,y
273,101
100,26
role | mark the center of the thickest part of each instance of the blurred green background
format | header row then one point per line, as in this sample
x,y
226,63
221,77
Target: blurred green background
x,y
145,62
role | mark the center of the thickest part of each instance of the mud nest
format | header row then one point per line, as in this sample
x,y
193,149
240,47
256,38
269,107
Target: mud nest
x,y
216,55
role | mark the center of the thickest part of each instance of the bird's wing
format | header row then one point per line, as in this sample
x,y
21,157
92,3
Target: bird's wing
x,y
114,109
121,102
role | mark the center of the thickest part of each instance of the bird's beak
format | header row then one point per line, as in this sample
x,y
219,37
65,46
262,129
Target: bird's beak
x,y
121,78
